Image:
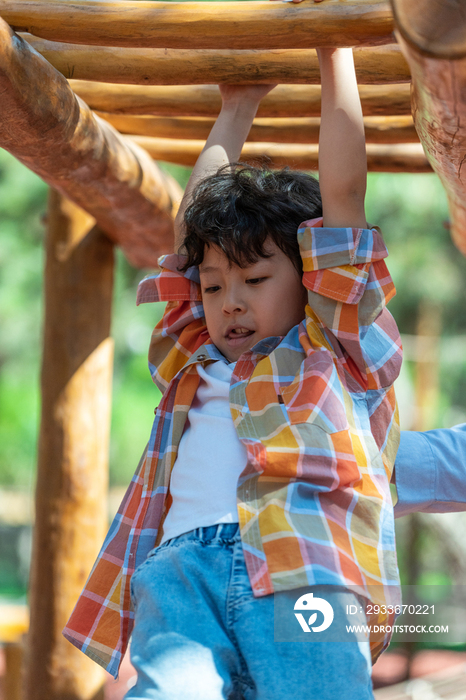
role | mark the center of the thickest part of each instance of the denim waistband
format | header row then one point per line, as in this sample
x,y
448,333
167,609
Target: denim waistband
x,y
209,534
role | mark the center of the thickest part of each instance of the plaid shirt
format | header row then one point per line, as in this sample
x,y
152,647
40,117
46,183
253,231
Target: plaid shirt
x,y
317,414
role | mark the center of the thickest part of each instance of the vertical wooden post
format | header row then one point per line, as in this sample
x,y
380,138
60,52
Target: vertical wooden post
x,y
71,514
13,666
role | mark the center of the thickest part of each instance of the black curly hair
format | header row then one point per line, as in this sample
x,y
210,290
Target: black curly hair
x,y
241,206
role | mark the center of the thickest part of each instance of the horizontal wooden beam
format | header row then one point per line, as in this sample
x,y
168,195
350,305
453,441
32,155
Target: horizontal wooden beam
x,y
205,100
55,134
435,29
380,158
279,130
385,64
201,25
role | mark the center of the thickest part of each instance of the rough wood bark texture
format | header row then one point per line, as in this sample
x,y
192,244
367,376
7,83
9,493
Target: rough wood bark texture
x,y
436,28
407,157
226,25
280,130
205,100
385,64
439,107
71,491
55,134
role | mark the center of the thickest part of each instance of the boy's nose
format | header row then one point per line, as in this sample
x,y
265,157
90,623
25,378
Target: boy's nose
x,y
232,303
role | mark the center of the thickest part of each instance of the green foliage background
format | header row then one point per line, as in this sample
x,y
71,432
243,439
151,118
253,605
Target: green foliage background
x,y
411,209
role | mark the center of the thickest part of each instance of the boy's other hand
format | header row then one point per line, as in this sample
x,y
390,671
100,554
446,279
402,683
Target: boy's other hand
x,y
244,93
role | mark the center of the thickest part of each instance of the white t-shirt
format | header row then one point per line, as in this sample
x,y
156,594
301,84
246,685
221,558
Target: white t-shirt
x,y
210,458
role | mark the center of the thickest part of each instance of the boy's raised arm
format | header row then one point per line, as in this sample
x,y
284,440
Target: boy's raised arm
x,y
225,141
342,150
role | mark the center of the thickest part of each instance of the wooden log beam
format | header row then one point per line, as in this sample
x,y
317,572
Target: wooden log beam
x,y
71,488
385,64
434,28
55,134
216,25
439,112
278,130
380,158
205,100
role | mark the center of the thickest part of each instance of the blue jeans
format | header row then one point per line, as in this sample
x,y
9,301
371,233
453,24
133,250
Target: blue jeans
x,y
200,634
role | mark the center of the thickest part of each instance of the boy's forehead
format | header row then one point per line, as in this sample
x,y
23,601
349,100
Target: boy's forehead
x,y
215,260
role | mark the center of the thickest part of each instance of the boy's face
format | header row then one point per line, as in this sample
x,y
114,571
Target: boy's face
x,y
243,305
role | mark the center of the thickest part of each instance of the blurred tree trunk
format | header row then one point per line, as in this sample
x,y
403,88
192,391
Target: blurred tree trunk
x,y
426,392
427,366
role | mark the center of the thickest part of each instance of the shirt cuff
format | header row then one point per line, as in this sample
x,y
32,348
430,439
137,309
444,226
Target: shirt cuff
x,y
337,261
415,474
322,248
170,284
430,471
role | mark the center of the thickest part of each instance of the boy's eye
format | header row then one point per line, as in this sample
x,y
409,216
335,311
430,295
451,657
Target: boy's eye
x,y
211,290
256,280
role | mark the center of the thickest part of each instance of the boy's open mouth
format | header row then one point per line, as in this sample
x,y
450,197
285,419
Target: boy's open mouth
x,y
238,332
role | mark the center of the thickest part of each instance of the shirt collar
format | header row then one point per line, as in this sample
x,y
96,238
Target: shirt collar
x,y
210,352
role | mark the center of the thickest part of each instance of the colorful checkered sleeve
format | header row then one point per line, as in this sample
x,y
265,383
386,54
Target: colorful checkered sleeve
x,y
348,288
182,328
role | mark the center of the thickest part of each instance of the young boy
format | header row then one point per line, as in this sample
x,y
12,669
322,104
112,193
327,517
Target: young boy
x,y
268,465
